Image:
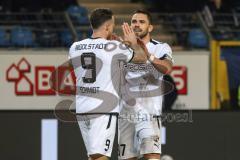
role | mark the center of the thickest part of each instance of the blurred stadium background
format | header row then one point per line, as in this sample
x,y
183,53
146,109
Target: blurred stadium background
x,y
204,35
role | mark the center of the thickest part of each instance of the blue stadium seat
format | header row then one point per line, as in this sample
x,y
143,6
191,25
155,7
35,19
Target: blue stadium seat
x,y
78,14
67,38
4,40
197,38
21,37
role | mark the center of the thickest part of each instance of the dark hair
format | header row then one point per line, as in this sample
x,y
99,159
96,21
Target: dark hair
x,y
99,16
146,13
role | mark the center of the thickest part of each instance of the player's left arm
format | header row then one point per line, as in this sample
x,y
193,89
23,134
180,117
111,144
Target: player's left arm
x,y
163,61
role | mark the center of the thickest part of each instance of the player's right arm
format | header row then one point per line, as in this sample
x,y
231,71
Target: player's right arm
x,y
163,62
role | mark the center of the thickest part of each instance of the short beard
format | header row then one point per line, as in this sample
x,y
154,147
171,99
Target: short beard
x,y
143,35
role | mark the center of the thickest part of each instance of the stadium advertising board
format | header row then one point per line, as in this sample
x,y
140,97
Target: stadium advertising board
x,y
25,79
191,75
40,136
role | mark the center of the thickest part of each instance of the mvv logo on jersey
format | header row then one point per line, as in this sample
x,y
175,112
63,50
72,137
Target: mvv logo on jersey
x,y
64,79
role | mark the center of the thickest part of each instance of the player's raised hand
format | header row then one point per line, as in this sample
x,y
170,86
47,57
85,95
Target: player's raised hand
x,y
129,35
140,55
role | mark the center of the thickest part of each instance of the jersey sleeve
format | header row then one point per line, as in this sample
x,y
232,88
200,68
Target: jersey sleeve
x,y
164,51
129,53
71,51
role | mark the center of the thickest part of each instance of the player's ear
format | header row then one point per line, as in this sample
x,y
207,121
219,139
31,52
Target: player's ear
x,y
150,28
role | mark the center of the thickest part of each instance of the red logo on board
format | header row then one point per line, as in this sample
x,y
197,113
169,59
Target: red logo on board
x,y
18,74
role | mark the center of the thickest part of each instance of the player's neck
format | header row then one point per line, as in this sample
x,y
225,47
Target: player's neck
x,y
146,39
98,34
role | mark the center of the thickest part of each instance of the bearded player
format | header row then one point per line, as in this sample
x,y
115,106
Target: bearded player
x,y
143,138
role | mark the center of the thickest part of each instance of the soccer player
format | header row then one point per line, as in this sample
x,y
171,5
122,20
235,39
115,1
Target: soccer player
x,y
142,136
95,61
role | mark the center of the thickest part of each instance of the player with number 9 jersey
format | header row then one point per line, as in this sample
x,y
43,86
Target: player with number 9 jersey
x,y
96,66
96,63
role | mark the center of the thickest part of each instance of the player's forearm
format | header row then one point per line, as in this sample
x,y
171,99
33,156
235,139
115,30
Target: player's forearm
x,y
139,54
163,66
